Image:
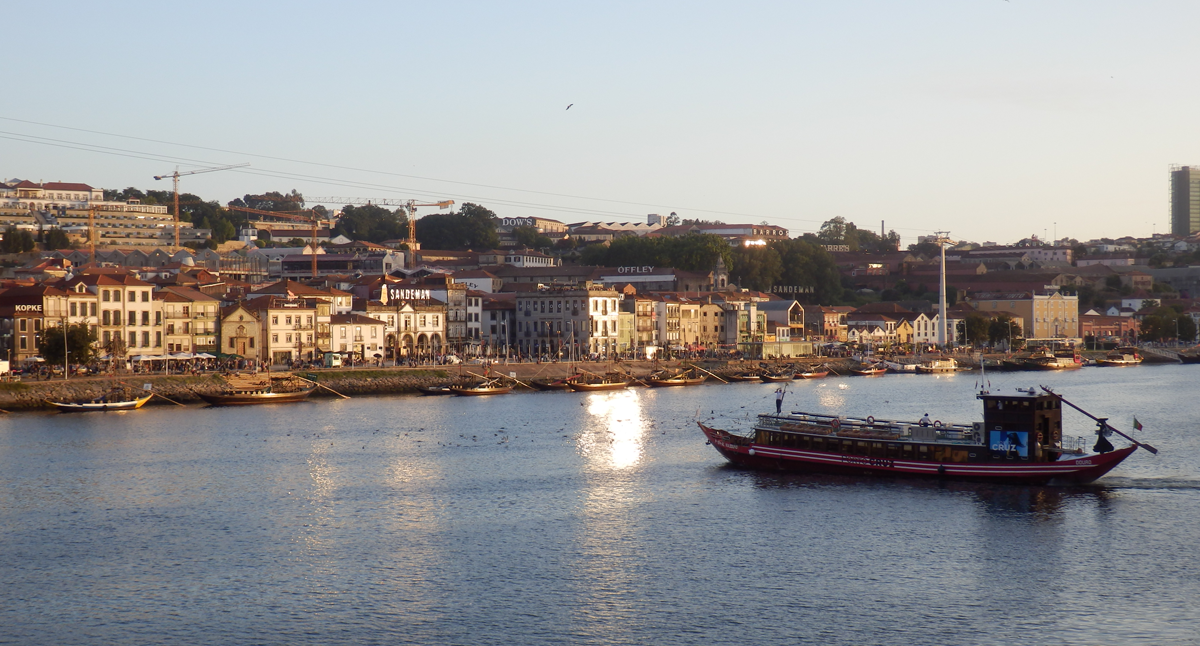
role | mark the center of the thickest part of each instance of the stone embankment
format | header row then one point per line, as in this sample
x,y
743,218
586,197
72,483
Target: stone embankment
x,y
32,395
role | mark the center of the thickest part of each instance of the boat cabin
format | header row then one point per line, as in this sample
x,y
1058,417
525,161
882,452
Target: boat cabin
x,y
1025,425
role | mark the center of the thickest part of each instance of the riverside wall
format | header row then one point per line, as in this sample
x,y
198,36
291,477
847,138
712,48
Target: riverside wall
x,y
185,389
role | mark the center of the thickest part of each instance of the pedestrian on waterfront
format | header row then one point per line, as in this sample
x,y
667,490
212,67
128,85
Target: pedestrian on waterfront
x,y
925,421
779,393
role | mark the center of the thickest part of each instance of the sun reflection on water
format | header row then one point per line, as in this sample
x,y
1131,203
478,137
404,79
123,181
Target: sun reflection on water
x,y
613,437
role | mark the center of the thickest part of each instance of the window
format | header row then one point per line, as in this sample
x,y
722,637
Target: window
x,y
146,299
252,342
275,320
231,342
145,339
435,320
342,331
133,339
116,296
107,337
287,320
158,318
24,343
105,319
92,309
74,308
374,332
274,338
104,295
132,319
289,338
145,318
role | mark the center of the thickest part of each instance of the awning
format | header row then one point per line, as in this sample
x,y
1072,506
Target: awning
x,y
183,355
204,355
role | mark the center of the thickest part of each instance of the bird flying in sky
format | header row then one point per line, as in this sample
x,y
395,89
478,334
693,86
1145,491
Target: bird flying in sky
x,y
569,106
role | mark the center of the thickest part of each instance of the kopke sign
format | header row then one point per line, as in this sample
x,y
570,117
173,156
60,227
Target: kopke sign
x,y
518,222
28,308
635,270
792,289
398,294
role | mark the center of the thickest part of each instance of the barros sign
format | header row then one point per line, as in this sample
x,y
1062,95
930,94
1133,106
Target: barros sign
x,y
792,289
518,222
28,308
402,294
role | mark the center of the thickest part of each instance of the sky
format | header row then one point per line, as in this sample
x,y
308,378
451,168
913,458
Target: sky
x,y
991,119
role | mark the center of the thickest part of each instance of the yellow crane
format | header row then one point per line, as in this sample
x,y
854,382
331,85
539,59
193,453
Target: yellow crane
x,y
409,206
175,180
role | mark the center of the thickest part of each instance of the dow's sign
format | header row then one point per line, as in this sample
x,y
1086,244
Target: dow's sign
x,y
518,222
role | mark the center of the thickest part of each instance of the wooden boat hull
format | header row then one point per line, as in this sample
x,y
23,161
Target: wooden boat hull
x,y
745,378
662,383
776,378
1118,363
587,388
435,391
551,385
871,372
91,407
1189,358
1056,365
463,391
251,399
812,375
744,452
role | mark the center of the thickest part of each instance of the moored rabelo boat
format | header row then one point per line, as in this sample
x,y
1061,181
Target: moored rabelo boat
x,y
869,370
246,391
598,385
111,402
1019,441
686,378
773,378
434,391
745,376
815,372
489,387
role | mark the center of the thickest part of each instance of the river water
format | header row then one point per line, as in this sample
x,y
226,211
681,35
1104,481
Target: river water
x,y
567,518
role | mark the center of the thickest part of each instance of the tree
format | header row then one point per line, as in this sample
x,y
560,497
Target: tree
x,y
473,227
56,239
115,346
372,223
1000,329
80,344
1187,329
672,220
530,237
758,268
977,328
16,241
806,264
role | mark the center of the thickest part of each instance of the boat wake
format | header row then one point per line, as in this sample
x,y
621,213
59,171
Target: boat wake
x,y
1145,484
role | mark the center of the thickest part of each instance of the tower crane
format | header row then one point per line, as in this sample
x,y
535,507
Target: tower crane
x,y
409,206
175,180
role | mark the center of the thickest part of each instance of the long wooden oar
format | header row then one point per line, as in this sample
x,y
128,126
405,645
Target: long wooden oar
x,y
1102,421
709,373
495,379
167,398
323,386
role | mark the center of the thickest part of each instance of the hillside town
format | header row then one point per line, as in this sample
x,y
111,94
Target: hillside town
x,y
144,285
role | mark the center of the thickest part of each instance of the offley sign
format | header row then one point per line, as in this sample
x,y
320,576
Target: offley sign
x,y
792,289
518,222
402,294
635,270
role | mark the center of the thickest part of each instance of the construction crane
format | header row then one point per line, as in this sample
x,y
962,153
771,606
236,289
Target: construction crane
x,y
289,216
409,206
175,180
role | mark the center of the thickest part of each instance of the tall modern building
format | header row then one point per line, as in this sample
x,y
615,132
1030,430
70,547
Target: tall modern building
x,y
1185,200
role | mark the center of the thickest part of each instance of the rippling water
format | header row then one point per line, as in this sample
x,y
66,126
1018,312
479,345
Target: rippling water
x,y
565,518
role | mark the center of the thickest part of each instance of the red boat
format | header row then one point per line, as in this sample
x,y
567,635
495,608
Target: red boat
x,y
1020,441
813,373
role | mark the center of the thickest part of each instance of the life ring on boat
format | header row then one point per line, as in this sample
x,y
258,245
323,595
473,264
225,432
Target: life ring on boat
x,y
835,424
937,423
977,437
870,420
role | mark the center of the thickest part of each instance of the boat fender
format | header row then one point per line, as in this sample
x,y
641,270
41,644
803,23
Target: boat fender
x,y
937,423
835,424
941,469
977,437
870,420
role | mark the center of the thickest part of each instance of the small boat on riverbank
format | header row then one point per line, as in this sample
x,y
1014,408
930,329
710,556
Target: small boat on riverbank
x,y
688,377
813,372
435,391
745,376
869,370
552,384
248,390
1019,441
932,366
1121,358
491,387
599,385
775,378
110,402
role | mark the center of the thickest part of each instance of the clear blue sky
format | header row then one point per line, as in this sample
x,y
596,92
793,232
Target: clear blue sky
x,y
992,119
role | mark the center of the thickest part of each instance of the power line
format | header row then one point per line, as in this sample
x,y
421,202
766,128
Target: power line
x,y
278,174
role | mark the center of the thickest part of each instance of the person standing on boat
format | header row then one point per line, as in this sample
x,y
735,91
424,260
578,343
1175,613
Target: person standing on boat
x,y
925,421
779,393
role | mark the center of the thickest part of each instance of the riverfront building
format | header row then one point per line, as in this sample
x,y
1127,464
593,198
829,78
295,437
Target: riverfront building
x,y
1185,200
